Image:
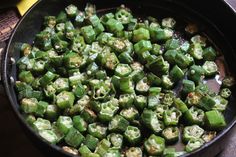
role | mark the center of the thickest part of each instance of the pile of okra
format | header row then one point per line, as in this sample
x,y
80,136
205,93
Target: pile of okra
x,y
105,86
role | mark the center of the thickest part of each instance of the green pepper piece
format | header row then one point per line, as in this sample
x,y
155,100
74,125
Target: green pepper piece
x,y
209,54
65,99
194,144
64,123
192,132
194,116
214,120
210,68
154,145
225,93
97,130
132,135
133,152
91,142
116,140
74,138
171,116
79,123
118,124
171,134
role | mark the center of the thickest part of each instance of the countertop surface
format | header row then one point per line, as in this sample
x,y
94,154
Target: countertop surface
x,y
15,143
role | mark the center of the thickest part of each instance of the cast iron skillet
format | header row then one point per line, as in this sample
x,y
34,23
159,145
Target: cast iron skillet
x,y
212,19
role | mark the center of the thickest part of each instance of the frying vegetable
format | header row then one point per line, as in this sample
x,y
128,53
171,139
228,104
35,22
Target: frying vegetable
x,y
112,85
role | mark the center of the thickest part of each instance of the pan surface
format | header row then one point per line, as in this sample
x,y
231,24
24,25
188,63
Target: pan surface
x,y
32,22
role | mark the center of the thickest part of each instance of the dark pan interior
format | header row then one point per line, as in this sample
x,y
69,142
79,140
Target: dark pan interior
x,y
32,22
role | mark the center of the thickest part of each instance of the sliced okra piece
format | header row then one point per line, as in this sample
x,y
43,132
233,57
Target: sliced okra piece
x,y
84,151
64,123
126,100
65,99
142,46
61,84
91,142
209,54
154,79
194,144
225,93
49,136
188,86
194,115
79,123
196,51
176,73
71,10
26,76
207,103
153,101
214,120
210,68
41,108
140,102
108,110
88,34
142,86
141,34
208,136
118,124
88,115
168,98
126,85
150,119
166,82
42,124
180,105
122,70
171,116
47,78
116,140
102,147
132,135
114,25
130,113
192,132
159,34
52,112
97,130
172,44
154,145
228,82
160,108
29,105
196,73
134,152
74,138
171,134
168,22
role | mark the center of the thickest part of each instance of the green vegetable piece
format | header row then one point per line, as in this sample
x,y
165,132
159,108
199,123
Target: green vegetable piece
x,y
64,123
130,113
154,145
188,86
210,68
194,144
171,116
172,44
134,152
142,46
88,34
97,130
79,123
207,103
225,93
123,70
194,116
42,124
26,76
176,73
74,138
91,142
71,10
118,124
209,54
196,51
65,99
192,132
114,26
141,34
180,105
49,136
47,78
171,134
132,135
214,120
116,140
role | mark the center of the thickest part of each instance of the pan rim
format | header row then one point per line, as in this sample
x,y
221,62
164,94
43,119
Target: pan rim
x,y
6,85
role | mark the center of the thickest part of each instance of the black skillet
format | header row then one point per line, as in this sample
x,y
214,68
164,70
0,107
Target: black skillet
x,y
216,20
